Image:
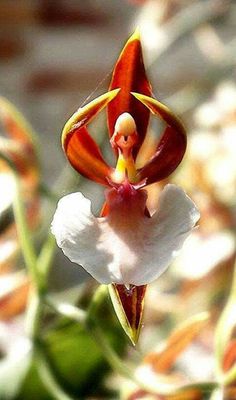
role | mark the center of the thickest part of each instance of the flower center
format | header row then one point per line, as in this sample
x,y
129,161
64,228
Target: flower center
x,y
124,139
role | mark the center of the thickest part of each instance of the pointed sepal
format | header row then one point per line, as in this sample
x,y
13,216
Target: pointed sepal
x,y
80,148
128,304
171,147
129,75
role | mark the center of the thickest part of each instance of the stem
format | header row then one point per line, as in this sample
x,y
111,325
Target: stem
x,y
44,261
110,355
33,315
90,323
34,318
93,328
47,375
24,234
98,298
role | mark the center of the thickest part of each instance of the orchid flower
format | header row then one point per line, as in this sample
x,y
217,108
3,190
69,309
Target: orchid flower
x,y
125,248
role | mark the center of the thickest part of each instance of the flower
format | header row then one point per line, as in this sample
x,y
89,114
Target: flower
x,y
125,246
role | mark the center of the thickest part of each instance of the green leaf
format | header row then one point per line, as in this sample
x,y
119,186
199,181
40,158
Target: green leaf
x,y
76,359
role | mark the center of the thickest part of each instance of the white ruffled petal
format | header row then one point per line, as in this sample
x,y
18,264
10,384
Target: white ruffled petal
x,y
77,233
166,232
126,247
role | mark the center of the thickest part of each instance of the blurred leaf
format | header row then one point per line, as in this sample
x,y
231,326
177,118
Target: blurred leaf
x,y
76,359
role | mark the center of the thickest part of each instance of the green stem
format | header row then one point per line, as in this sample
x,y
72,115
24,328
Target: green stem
x,y
98,298
110,355
33,316
24,235
92,325
44,261
47,375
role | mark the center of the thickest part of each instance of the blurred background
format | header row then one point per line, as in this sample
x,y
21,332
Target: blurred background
x,y
54,57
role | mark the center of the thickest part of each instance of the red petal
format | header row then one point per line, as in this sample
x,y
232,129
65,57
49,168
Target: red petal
x,y
81,150
171,148
129,75
84,155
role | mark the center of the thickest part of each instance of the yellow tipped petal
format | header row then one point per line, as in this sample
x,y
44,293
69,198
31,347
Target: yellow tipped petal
x,y
157,108
85,114
80,148
135,35
171,147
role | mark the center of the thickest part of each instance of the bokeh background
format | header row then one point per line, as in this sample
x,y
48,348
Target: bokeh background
x,y
55,56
